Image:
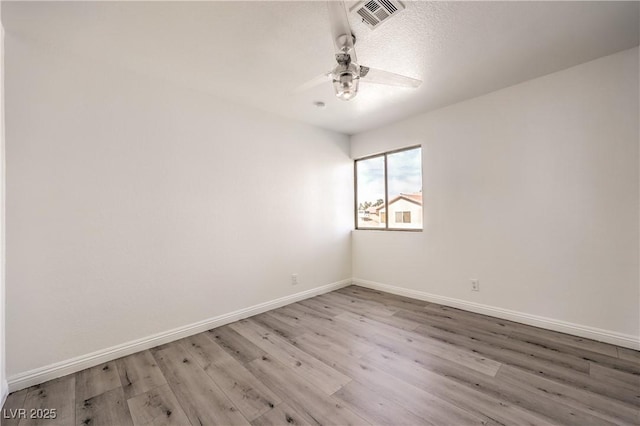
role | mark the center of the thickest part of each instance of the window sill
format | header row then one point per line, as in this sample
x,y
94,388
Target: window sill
x,y
388,229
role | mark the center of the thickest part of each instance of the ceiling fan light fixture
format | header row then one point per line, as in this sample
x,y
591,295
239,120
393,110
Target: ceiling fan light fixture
x,y
346,85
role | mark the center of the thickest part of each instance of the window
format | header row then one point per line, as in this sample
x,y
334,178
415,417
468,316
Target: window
x,y
403,217
389,190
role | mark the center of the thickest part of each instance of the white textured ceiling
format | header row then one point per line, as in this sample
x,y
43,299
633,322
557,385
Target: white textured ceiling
x,y
257,53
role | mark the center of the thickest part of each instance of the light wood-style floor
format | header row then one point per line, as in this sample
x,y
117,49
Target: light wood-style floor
x,y
354,356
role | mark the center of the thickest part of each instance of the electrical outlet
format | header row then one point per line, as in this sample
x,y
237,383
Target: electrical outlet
x,y
294,279
475,285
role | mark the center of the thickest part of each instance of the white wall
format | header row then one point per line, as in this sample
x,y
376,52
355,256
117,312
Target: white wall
x,y
3,378
134,207
533,190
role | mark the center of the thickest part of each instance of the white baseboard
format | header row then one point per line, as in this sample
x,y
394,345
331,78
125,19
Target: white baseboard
x,y
607,336
4,392
59,369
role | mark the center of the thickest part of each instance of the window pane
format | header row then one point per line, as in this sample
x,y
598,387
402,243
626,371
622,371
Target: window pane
x,y
370,192
405,189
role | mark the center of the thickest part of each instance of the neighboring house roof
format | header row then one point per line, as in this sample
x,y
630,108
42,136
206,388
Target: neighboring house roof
x,y
415,198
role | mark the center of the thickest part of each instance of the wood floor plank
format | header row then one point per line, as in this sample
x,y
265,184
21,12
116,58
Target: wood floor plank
x,y
629,354
299,315
14,402
157,407
426,318
393,321
374,408
282,414
278,326
321,325
615,377
202,400
383,334
97,380
389,300
469,319
447,330
541,405
568,340
429,407
326,351
106,409
530,363
245,391
299,319
596,357
139,373
58,394
596,405
235,345
469,399
321,375
332,333
356,305
316,304
313,405
502,351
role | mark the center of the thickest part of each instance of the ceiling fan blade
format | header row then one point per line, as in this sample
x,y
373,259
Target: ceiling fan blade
x,y
316,81
376,76
340,29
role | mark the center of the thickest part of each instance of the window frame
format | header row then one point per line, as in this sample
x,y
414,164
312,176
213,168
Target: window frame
x,y
386,191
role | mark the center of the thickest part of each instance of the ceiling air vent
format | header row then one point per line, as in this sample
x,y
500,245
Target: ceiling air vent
x,y
374,12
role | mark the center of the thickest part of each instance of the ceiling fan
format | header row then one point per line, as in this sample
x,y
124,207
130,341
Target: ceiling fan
x,y
348,73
